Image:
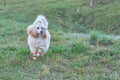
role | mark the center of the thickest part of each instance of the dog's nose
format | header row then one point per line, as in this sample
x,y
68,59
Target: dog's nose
x,y
41,31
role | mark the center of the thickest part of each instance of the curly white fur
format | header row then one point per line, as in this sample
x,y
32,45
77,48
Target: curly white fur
x,y
38,36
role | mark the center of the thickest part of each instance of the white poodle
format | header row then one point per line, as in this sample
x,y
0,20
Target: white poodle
x,y
38,36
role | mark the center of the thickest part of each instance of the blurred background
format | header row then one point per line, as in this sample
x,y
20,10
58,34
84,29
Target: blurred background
x,y
85,40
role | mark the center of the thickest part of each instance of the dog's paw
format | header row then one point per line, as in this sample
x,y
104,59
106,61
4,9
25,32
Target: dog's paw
x,y
34,58
39,53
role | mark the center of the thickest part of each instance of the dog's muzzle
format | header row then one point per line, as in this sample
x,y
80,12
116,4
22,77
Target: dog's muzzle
x,y
41,32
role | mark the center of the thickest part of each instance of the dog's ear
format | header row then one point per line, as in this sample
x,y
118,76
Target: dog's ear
x,y
44,35
31,31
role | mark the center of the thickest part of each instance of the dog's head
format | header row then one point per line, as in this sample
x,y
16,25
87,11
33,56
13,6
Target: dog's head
x,y
37,30
41,29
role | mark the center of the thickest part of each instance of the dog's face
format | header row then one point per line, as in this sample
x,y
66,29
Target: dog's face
x,y
37,30
40,28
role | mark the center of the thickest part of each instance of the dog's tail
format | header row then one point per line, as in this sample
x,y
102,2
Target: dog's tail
x,y
41,19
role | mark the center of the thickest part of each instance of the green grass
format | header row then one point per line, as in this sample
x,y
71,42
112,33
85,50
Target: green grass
x,y
98,37
68,57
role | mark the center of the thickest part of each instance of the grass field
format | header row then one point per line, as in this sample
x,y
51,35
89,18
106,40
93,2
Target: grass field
x,y
69,57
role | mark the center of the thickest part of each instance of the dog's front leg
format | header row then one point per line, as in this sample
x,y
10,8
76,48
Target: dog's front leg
x,y
40,52
33,51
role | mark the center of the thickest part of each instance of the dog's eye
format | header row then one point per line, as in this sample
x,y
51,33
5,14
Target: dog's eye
x,y
37,27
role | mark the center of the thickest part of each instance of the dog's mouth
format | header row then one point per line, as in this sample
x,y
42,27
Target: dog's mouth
x,y
41,33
